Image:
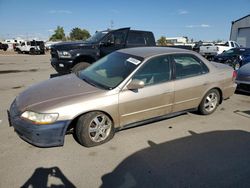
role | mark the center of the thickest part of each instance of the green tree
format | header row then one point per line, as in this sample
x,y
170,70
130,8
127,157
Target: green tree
x,y
58,34
162,41
79,34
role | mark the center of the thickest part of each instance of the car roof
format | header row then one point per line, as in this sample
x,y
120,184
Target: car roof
x,y
152,51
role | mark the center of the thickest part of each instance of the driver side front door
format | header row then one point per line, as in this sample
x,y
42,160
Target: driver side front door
x,y
154,99
115,40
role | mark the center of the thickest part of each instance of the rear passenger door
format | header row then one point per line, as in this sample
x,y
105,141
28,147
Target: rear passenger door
x,y
190,81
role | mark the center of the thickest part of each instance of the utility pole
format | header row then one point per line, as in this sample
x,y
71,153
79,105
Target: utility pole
x,y
111,24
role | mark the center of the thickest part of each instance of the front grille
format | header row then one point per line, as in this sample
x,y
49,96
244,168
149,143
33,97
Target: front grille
x,y
53,53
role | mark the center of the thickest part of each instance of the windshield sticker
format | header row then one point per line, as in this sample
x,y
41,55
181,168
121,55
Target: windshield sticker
x,y
134,61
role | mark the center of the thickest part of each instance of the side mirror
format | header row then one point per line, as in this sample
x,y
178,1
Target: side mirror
x,y
135,84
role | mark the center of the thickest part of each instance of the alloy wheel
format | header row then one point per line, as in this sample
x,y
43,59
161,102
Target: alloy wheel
x,y
211,102
99,128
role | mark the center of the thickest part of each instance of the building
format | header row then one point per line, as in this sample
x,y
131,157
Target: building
x,y
177,40
240,31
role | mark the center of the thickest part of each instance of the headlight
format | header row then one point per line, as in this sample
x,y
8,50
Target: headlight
x,y
64,54
40,118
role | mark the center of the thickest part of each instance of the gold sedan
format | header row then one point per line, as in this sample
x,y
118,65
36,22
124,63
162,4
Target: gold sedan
x,y
126,88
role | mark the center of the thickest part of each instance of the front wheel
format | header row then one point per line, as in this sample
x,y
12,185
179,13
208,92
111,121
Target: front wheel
x,y
80,66
210,102
94,128
32,51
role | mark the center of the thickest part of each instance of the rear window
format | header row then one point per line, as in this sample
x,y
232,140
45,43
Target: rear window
x,y
140,38
188,66
136,38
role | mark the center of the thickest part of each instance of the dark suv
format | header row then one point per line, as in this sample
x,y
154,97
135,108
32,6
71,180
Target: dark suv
x,y
69,57
3,47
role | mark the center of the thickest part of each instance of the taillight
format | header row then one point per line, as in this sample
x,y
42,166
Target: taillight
x,y
234,75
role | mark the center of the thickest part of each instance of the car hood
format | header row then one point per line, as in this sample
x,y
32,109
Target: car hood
x,y
222,56
72,45
63,87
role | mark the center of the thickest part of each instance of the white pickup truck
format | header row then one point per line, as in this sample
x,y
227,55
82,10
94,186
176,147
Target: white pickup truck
x,y
210,51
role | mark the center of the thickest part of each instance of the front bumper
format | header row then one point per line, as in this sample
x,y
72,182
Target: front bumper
x,y
243,82
62,65
243,86
39,135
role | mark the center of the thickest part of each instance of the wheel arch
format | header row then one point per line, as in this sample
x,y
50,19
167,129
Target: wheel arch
x,y
75,119
84,58
220,92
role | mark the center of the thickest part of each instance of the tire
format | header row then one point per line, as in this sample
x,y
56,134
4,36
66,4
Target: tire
x,y
94,128
32,51
80,66
209,102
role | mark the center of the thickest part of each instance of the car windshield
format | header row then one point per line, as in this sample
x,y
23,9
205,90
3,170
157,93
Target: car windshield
x,y
111,70
97,36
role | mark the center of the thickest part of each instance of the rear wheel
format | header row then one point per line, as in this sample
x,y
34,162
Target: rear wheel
x,y
80,66
210,102
94,128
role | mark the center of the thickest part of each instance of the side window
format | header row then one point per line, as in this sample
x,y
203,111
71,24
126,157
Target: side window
x,y
188,66
136,38
226,44
156,70
232,44
117,37
23,44
150,39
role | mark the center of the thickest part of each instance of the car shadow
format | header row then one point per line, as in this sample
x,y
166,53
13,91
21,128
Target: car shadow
x,y
41,176
213,159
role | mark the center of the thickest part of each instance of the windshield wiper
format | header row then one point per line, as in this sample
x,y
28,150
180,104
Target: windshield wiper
x,y
94,83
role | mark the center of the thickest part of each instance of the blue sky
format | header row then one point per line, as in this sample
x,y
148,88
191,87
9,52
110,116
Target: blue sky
x,y
197,19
